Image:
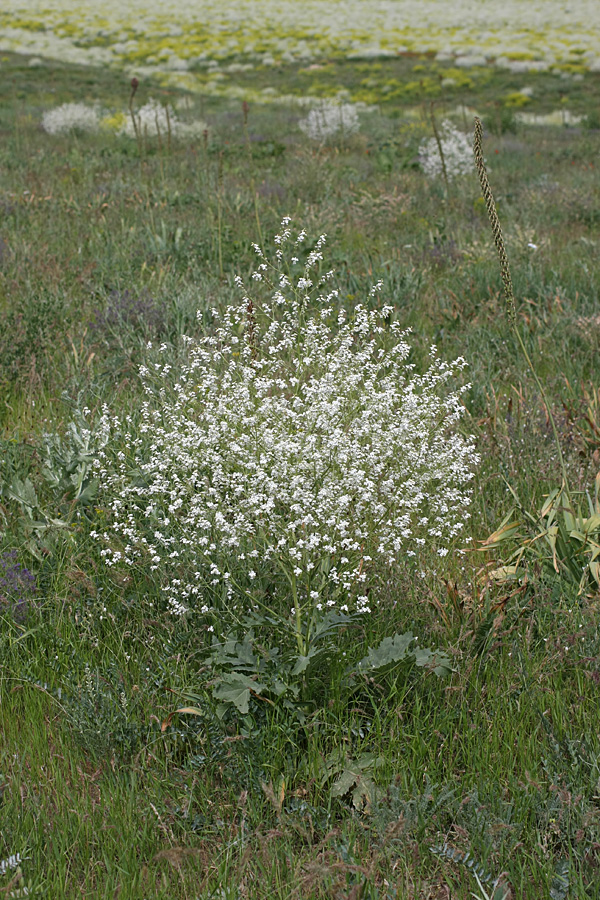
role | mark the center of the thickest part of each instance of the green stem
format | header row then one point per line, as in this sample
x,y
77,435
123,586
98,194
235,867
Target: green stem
x,y
298,616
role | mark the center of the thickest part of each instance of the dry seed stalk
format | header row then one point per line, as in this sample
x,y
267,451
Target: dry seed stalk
x,y
134,86
220,211
508,288
494,221
440,147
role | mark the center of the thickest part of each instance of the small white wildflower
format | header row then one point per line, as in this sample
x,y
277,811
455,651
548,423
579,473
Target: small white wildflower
x,y
12,862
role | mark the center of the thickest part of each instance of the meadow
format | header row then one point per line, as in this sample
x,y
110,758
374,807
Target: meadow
x,y
222,700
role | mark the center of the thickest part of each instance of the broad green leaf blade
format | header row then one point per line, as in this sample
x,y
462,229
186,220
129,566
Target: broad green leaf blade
x,y
302,662
439,662
390,650
559,888
344,782
236,688
363,794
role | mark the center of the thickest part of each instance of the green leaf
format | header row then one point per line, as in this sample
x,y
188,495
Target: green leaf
x,y
559,888
303,661
344,782
390,650
89,492
278,687
24,493
363,794
236,688
238,655
439,662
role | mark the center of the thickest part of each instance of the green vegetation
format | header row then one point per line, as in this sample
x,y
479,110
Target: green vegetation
x,y
143,755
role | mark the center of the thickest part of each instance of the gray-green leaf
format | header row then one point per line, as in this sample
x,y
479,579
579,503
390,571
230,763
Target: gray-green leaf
x,y
390,650
236,688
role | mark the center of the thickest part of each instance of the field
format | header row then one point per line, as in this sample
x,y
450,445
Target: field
x,y
224,701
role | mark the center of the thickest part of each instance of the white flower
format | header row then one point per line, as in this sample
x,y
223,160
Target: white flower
x,y
70,117
328,119
154,119
456,148
293,441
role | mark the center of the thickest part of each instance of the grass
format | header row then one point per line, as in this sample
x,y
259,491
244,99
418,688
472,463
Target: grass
x,y
105,790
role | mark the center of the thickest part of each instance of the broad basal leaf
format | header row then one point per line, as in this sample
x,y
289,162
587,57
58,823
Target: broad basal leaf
x,y
390,650
236,688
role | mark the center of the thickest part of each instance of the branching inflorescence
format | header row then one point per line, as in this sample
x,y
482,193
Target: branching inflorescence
x,y
456,157
297,442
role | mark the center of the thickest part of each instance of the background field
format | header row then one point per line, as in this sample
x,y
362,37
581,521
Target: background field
x,y
107,243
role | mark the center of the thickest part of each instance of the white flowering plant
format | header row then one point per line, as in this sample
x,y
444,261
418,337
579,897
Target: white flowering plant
x,y
155,119
70,117
457,149
328,119
294,456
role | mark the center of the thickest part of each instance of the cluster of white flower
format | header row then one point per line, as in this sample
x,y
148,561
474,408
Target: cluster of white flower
x,y
328,119
70,117
172,36
151,120
155,119
457,149
297,439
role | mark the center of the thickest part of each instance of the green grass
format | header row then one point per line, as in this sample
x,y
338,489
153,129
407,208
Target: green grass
x,y
103,792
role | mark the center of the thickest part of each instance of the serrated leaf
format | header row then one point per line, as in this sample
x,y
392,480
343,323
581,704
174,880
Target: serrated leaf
x,y
390,650
278,687
236,688
503,573
439,661
363,794
23,492
302,662
221,710
344,782
89,492
368,761
559,888
238,655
